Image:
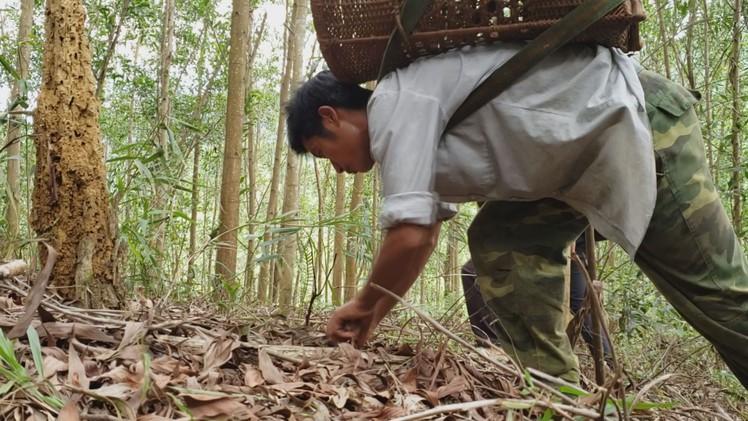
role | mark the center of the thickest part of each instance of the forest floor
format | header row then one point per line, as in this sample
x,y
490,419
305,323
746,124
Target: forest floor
x,y
191,362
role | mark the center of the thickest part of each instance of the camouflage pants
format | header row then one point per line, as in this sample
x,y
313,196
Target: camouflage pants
x,y
690,251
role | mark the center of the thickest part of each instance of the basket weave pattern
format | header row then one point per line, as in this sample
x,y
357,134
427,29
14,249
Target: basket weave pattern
x,y
353,34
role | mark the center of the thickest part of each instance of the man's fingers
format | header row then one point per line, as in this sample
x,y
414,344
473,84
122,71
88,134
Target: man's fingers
x,y
341,332
362,338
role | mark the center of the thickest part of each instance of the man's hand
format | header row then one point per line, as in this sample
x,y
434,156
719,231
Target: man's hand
x,y
404,252
355,321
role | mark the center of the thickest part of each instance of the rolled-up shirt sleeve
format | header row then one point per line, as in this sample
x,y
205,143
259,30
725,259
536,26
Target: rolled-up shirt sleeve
x,y
405,129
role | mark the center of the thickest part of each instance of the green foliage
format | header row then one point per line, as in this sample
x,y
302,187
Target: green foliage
x,y
18,378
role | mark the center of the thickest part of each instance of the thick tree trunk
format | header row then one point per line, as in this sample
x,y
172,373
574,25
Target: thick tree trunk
x,y
12,214
229,210
70,201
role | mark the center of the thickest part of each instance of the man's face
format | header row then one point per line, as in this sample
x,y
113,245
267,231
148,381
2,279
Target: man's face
x,y
346,143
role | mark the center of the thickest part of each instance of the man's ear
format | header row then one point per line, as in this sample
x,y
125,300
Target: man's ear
x,y
328,114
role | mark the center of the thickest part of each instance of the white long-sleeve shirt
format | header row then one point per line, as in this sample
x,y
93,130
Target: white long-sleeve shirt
x,y
573,128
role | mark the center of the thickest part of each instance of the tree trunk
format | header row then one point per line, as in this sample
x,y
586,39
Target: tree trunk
x,y
164,111
264,287
12,214
339,236
164,102
252,126
291,194
451,264
663,38
70,201
707,103
320,276
232,162
111,46
203,96
351,263
735,180
376,234
195,199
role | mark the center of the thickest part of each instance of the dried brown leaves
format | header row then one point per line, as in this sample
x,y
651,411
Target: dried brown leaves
x,y
190,364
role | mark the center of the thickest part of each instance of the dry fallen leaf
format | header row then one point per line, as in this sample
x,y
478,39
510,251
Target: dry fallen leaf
x,y
219,351
269,372
216,408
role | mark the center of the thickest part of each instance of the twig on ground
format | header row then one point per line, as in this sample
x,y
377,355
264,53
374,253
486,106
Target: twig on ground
x,y
469,346
508,403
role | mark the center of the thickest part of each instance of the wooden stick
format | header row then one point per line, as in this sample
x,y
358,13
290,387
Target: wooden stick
x,y
13,268
508,403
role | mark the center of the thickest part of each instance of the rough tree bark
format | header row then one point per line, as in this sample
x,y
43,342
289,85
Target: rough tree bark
x,y
70,201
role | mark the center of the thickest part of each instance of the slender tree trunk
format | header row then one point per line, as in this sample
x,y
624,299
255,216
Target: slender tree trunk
x,y
376,234
14,135
664,40
264,283
451,265
230,179
70,201
351,263
737,191
338,239
319,272
252,127
707,103
164,112
291,195
195,199
164,102
195,190
690,74
112,41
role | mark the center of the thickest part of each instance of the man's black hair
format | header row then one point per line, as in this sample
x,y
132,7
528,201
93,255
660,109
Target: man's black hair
x,y
302,118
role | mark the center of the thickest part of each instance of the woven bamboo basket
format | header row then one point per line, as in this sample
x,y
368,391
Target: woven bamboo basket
x,y
353,34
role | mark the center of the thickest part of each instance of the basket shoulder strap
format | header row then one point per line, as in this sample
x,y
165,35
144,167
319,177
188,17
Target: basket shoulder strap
x,y
547,42
410,14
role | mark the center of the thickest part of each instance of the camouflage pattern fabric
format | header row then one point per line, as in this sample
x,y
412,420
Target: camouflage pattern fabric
x,y
690,251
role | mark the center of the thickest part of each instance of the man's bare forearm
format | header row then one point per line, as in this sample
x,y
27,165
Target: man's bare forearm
x,y
405,250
